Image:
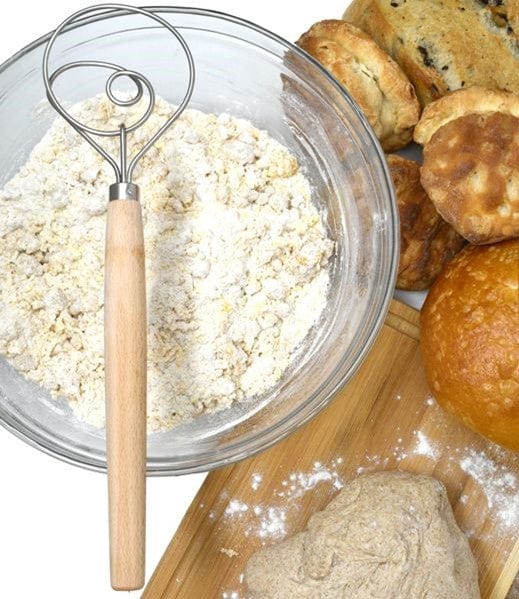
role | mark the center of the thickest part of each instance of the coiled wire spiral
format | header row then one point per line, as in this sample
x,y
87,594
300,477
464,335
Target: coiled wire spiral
x,y
123,170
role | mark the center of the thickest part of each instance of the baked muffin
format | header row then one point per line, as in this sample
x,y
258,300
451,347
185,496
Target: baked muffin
x,y
373,79
427,242
444,45
471,173
473,100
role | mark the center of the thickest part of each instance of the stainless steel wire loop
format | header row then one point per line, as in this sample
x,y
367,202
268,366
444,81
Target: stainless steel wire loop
x,y
124,169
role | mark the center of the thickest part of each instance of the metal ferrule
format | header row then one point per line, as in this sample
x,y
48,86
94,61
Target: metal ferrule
x,y
124,191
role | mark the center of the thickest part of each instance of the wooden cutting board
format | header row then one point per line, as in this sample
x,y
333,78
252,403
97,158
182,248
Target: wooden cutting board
x,y
383,419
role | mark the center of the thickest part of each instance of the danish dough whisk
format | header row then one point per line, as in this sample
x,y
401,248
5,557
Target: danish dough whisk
x,y
125,295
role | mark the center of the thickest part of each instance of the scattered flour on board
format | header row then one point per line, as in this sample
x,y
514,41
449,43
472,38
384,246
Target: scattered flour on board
x,y
272,522
299,483
255,481
236,507
236,257
268,521
424,446
500,487
229,552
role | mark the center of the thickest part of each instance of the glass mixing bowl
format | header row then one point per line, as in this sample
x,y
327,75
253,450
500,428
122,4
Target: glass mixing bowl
x,y
251,73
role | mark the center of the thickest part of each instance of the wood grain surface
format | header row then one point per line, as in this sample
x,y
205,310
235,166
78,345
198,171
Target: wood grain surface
x,y
383,419
125,368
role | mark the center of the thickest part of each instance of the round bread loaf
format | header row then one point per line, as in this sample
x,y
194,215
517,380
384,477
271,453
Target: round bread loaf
x,y
374,80
469,337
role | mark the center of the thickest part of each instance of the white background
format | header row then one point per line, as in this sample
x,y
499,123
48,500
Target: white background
x,y
53,523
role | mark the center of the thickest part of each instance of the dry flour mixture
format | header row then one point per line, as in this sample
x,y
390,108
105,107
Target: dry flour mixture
x,y
236,257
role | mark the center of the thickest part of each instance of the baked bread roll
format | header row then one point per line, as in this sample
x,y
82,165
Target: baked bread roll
x,y
471,173
443,45
427,242
375,82
470,340
474,100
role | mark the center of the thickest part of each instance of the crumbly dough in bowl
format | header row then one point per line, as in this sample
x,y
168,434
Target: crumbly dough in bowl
x,y
237,263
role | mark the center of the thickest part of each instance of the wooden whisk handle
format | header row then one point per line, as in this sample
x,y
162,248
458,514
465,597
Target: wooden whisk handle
x,y
125,363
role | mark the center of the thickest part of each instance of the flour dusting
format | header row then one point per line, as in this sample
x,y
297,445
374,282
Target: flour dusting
x,y
268,521
424,446
256,480
236,257
299,483
236,507
500,487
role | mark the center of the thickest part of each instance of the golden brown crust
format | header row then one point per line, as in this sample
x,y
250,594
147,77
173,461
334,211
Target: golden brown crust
x,y
374,80
427,242
469,340
471,173
474,100
443,45
513,17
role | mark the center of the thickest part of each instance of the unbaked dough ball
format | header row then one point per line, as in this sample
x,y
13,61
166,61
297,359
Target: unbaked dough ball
x,y
388,535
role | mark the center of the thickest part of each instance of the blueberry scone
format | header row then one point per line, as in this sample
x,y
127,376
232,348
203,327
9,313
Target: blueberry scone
x,y
444,45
